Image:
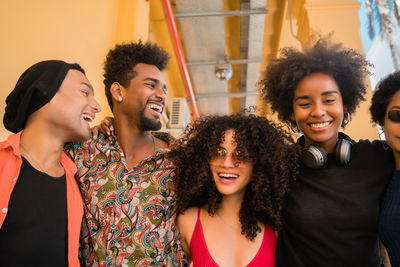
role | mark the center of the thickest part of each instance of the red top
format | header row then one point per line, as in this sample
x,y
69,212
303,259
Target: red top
x,y
201,256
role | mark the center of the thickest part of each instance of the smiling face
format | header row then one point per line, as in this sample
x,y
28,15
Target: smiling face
x,y
392,128
318,110
73,107
231,177
144,99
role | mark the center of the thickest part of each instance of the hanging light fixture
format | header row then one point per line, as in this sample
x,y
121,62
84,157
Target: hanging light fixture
x,y
223,69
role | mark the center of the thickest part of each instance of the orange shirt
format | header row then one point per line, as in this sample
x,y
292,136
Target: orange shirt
x,y
10,165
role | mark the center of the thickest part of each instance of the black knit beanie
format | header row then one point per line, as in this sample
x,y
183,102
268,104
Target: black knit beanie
x,y
34,89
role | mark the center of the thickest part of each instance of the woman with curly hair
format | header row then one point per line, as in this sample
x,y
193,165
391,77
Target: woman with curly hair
x,y
330,216
231,175
385,111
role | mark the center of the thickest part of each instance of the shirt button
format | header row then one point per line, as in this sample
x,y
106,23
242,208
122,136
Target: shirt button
x,y
4,210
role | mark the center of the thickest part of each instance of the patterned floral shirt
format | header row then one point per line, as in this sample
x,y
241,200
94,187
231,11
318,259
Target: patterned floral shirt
x,y
130,213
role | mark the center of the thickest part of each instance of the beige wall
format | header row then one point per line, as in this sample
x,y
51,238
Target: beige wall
x,y
79,31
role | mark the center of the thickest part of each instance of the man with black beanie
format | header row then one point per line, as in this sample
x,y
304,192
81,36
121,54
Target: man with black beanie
x,y
41,207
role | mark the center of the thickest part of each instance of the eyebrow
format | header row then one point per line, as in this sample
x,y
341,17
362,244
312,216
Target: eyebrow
x,y
88,85
396,107
324,94
155,81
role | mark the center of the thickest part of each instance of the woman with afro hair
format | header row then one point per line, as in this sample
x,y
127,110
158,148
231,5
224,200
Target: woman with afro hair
x,y
231,175
385,111
330,216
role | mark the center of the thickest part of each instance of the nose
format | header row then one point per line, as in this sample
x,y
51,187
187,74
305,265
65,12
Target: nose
x,y
318,110
161,93
95,106
228,161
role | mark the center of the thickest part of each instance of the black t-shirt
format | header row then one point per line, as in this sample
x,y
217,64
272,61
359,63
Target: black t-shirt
x,y
330,216
389,221
34,232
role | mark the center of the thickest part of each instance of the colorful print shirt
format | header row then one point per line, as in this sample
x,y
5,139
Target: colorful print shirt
x,y
130,213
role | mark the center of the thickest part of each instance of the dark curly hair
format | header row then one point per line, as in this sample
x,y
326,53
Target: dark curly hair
x,y
281,77
384,92
271,150
120,61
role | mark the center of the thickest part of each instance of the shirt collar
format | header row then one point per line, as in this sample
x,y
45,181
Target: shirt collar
x,y
164,136
12,141
67,163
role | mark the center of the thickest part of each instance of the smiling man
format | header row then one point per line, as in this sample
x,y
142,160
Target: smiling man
x,y
41,208
126,181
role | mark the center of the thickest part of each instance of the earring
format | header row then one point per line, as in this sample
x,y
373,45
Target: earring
x,y
119,99
346,119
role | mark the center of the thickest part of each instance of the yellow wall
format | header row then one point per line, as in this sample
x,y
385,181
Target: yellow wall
x,y
74,31
78,31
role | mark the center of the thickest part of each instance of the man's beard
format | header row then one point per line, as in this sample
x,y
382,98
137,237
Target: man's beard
x,y
148,124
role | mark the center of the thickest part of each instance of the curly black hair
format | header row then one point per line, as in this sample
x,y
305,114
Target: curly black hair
x,y
271,150
384,92
281,77
120,62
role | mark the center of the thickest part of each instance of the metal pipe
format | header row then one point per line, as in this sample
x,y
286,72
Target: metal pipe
x,y
226,95
181,58
231,13
233,61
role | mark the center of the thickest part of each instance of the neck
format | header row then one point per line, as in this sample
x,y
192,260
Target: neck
x,y
136,143
229,209
42,149
329,146
396,155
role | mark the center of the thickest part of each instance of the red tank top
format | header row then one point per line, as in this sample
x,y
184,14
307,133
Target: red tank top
x,y
201,257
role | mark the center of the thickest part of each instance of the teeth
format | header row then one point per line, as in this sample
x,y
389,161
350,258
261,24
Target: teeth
x,y
156,107
88,117
319,125
228,175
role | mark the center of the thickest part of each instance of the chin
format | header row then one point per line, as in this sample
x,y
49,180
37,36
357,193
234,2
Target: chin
x,y
151,125
394,145
322,136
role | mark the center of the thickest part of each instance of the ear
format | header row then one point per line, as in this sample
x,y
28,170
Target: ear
x,y
116,91
346,117
292,117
